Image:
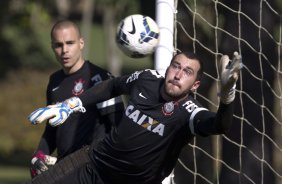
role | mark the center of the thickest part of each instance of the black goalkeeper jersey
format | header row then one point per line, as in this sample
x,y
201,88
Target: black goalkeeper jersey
x,y
144,147
79,129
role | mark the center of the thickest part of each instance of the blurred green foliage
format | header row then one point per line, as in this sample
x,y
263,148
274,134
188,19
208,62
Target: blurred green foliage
x,y
23,29
22,91
13,175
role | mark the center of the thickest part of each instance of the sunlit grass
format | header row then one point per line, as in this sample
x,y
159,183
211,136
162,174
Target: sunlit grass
x,y
13,174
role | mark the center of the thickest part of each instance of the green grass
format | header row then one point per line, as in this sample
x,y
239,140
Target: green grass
x,y
13,174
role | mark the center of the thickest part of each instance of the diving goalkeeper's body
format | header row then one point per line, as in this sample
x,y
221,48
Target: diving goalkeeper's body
x,y
161,117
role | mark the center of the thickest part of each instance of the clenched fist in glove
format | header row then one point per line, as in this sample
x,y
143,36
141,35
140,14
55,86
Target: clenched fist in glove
x,y
40,163
57,114
229,74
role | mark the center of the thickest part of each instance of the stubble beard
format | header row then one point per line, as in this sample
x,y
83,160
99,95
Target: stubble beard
x,y
174,94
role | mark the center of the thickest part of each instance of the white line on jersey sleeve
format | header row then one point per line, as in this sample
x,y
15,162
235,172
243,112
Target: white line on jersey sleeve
x,y
109,102
191,120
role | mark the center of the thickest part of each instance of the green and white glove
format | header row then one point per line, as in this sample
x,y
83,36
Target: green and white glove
x,y
58,113
230,70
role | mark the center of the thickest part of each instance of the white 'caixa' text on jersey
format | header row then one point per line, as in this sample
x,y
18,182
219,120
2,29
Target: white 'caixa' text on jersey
x,y
145,121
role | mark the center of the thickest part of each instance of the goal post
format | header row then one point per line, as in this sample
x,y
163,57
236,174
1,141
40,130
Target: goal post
x,y
165,19
165,15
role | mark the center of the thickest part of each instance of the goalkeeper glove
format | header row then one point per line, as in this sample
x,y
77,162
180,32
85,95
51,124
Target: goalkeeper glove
x,y
57,114
40,163
229,75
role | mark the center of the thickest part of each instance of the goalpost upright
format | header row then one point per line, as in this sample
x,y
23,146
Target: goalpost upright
x,y
165,12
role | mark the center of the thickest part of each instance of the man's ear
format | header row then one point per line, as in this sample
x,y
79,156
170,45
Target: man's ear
x,y
195,86
81,42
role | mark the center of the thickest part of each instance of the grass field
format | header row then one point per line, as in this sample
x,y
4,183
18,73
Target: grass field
x,y
13,174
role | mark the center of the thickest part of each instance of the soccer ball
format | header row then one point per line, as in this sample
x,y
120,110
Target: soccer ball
x,y
137,36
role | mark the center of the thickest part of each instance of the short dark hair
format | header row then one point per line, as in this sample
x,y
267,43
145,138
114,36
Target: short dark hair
x,y
65,23
192,55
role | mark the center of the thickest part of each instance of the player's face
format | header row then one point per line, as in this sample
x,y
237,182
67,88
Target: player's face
x,y
67,46
181,77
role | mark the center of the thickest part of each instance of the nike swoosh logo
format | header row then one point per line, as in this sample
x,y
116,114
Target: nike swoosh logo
x,y
133,27
54,89
141,95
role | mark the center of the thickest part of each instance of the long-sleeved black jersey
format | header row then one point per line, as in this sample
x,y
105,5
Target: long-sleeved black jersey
x,y
145,145
80,129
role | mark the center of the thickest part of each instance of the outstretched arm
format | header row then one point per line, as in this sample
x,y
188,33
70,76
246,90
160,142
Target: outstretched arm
x,y
209,123
101,92
57,114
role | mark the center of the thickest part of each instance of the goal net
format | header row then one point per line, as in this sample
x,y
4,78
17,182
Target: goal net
x,y
252,151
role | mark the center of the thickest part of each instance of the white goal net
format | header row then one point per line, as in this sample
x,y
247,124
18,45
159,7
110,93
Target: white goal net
x,y
252,151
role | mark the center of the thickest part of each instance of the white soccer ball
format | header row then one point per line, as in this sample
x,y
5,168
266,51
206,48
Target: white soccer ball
x,y
137,35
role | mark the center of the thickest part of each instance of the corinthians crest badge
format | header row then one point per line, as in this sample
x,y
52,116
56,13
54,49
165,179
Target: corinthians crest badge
x,y
168,108
78,87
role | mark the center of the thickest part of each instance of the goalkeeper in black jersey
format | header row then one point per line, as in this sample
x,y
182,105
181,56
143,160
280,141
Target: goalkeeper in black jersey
x,y
161,117
76,76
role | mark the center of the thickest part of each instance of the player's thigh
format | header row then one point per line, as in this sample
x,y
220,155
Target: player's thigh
x,y
84,174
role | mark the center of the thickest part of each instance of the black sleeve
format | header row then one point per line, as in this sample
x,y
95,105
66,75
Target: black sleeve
x,y
48,92
47,142
105,90
209,123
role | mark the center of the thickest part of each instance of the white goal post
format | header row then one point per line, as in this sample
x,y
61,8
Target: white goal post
x,y
165,15
165,12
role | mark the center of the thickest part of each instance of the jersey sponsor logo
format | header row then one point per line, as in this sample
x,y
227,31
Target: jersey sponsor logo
x,y
133,76
144,120
78,87
142,96
190,106
96,79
